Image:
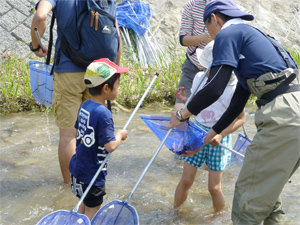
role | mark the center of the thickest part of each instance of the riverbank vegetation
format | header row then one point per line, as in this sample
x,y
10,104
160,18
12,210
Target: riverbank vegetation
x,y
16,96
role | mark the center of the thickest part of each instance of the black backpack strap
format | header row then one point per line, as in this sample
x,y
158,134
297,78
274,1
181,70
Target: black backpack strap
x,y
50,43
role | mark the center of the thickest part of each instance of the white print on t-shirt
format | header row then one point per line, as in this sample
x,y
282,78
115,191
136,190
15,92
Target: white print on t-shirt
x,y
85,132
208,114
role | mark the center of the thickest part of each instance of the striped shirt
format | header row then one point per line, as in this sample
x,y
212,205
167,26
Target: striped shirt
x,y
192,24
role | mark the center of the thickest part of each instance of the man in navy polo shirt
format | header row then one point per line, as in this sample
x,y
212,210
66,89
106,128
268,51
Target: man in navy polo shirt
x,y
274,154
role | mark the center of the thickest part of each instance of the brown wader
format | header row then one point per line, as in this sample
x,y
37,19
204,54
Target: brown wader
x,y
274,153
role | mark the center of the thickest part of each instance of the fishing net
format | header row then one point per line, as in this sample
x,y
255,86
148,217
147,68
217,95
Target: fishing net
x,y
134,15
64,217
41,82
116,212
187,137
240,146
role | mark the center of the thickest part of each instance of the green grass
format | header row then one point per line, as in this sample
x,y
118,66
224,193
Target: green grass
x,y
134,84
16,96
296,57
15,92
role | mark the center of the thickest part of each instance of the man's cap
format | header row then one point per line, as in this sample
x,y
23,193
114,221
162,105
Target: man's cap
x,y
204,56
101,70
226,7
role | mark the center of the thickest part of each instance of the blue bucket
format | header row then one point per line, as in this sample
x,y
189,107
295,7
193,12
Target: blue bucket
x,y
41,82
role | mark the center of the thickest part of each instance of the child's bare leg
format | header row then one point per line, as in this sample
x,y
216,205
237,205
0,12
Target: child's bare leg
x,y
81,208
214,187
91,211
186,181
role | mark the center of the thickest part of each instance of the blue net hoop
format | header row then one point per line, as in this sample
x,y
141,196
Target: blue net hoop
x,y
240,146
116,213
134,15
41,82
64,217
187,137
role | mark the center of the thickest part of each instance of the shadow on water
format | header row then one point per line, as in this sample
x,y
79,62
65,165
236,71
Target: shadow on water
x,y
31,184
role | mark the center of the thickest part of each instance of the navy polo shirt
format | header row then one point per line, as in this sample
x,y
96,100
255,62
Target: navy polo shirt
x,y
248,51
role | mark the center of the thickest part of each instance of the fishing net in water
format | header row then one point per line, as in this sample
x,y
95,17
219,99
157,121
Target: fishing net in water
x,y
134,15
41,82
187,137
116,213
64,217
240,146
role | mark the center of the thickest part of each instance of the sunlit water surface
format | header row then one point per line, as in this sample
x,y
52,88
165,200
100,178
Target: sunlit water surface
x,y
31,183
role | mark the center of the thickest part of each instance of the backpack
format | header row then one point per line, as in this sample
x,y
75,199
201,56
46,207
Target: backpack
x,y
95,35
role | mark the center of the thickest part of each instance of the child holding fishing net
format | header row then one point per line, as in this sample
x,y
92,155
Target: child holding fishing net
x,y
214,156
95,134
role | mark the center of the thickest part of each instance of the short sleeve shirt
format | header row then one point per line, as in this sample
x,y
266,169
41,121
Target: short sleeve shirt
x,y
248,51
65,13
95,129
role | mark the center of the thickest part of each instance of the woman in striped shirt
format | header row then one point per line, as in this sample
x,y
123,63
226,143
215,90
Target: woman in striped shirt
x,y
192,35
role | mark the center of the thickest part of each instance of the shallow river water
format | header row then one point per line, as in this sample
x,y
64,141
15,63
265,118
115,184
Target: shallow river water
x,y
31,183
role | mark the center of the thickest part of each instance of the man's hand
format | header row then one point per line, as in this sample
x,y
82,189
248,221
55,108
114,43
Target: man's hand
x,y
174,122
42,52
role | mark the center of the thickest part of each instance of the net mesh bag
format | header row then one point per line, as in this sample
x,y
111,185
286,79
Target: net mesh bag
x,y
187,137
64,217
41,82
116,213
134,15
240,146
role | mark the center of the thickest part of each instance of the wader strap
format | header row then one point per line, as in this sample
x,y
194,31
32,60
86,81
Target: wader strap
x,y
284,53
282,88
281,51
261,83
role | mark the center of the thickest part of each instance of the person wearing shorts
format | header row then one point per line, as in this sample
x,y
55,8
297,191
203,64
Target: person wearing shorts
x,y
93,198
215,157
95,134
69,90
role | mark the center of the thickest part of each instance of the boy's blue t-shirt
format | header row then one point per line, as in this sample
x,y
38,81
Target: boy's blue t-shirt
x,y
248,51
95,129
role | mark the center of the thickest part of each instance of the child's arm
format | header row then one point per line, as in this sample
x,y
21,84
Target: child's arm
x,y
121,135
238,122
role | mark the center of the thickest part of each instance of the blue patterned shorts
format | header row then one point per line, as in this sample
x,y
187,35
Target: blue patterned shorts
x,y
215,157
